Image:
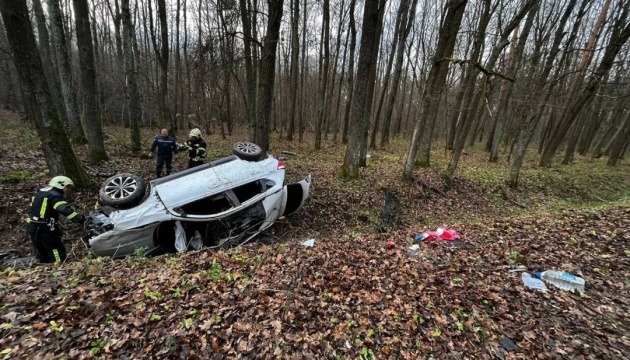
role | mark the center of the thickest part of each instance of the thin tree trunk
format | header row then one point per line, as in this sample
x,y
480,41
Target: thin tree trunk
x,y
92,122
295,51
323,75
130,76
267,74
363,90
178,69
250,78
44,51
75,128
405,29
353,45
303,78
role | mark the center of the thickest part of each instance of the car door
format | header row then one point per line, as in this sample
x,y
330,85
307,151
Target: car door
x,y
294,196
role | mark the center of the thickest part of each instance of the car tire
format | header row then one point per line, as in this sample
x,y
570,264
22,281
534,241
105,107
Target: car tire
x,y
247,151
122,191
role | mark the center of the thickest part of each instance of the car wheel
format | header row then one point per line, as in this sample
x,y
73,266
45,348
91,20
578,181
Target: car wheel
x,y
247,151
122,190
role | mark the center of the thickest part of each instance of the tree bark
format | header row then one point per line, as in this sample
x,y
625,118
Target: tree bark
x,y
92,121
44,52
323,75
130,75
75,129
267,74
295,52
363,90
250,78
60,157
353,45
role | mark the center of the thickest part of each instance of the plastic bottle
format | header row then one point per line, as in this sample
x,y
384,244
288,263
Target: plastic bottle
x,y
533,283
562,280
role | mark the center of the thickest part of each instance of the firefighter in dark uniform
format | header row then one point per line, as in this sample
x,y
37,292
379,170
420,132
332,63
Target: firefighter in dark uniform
x,y
43,219
196,148
166,147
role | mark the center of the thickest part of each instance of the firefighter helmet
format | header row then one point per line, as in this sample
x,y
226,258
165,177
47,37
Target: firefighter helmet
x,y
60,182
195,132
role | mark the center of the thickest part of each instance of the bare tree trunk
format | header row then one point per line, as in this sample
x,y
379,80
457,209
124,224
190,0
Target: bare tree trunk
x,y
295,52
302,107
92,122
363,90
130,75
250,78
58,153
267,74
619,36
44,51
323,75
75,128
425,124
618,142
353,45
167,119
402,12
328,105
336,113
178,69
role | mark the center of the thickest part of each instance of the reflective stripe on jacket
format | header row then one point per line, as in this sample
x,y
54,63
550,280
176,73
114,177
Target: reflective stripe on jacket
x,y
196,148
47,204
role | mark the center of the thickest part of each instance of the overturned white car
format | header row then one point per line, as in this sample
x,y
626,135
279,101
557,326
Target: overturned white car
x,y
227,201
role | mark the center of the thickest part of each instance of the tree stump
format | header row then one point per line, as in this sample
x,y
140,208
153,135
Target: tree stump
x,y
390,213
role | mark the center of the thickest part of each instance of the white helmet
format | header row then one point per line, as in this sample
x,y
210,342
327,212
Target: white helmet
x,y
60,182
195,132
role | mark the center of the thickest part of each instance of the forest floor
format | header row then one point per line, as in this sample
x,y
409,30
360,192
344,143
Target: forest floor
x,y
348,297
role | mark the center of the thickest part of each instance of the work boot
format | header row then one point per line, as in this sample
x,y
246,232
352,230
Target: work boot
x,y
168,172
158,174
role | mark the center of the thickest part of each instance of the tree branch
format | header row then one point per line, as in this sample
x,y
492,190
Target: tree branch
x,y
478,66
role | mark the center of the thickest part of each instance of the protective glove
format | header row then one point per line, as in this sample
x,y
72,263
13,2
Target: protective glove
x,y
150,154
196,159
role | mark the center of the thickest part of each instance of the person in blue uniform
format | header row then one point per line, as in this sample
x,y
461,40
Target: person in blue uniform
x,y
166,146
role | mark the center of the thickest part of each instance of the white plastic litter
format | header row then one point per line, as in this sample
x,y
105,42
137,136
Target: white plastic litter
x,y
196,242
414,247
309,243
532,282
180,237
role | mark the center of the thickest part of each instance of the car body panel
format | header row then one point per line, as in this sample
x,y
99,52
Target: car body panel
x,y
117,243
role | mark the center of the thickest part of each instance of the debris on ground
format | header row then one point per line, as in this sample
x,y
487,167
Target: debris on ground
x,y
309,243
